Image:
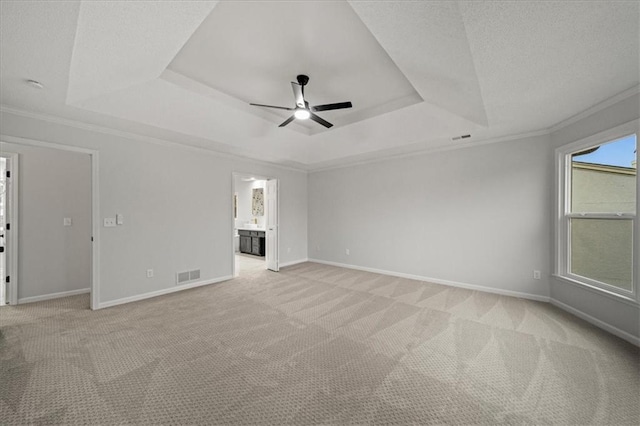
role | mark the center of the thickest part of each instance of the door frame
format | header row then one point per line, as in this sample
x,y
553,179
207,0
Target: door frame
x,y
11,237
274,256
234,175
95,211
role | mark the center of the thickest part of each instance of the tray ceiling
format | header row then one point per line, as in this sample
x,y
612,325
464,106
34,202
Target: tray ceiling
x,y
418,73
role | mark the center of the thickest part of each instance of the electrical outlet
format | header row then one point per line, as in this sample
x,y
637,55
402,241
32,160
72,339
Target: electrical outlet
x,y
347,252
536,275
149,273
109,222
66,221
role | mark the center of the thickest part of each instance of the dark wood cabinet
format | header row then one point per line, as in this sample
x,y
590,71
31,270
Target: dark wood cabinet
x,y
252,242
245,244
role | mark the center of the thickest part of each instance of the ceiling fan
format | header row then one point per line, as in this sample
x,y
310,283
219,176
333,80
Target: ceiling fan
x,y
303,111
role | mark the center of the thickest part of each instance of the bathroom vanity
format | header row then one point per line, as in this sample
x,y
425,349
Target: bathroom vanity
x,y
252,241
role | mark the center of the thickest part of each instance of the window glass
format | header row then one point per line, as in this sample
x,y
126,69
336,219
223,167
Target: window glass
x,y
602,250
600,217
603,178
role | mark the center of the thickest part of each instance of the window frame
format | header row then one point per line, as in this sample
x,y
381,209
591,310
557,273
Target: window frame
x,y
564,215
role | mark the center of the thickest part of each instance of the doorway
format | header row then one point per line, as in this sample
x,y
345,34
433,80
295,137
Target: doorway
x,y
27,148
255,224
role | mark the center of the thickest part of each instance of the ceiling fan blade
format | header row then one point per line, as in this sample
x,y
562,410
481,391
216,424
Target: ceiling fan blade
x,y
299,94
327,107
287,121
273,106
317,119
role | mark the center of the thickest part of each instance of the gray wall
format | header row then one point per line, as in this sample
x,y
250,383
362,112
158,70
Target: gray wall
x,y
476,216
53,184
177,207
624,316
480,216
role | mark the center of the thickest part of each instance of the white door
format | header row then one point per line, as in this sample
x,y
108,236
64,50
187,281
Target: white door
x,y
3,219
8,228
271,204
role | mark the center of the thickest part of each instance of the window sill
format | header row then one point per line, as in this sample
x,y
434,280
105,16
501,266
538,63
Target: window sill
x,y
597,290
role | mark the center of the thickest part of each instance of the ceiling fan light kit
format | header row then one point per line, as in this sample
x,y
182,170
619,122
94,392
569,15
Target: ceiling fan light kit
x,y
302,114
303,111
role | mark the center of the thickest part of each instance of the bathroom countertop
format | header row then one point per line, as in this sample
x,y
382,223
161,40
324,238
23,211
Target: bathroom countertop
x,y
250,229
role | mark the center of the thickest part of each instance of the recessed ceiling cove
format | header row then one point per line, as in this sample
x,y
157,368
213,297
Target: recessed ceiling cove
x,y
418,73
252,51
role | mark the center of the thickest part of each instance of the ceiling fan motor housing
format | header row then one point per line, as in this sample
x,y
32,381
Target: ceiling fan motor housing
x,y
302,79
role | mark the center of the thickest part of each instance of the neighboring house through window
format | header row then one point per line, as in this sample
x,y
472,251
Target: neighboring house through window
x,y
597,229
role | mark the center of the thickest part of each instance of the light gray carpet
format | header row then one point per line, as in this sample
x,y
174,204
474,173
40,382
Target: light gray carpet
x,y
313,344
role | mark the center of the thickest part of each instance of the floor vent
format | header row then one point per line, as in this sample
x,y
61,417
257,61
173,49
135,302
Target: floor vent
x,y
194,275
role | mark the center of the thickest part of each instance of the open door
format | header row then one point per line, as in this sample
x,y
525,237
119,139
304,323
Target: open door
x,y
271,211
8,228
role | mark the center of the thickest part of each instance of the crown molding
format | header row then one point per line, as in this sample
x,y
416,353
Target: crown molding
x,y
594,109
138,137
547,131
428,151
148,139
338,164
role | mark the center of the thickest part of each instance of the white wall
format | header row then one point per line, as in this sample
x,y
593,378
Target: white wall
x,y
177,207
245,200
243,189
477,216
611,313
53,184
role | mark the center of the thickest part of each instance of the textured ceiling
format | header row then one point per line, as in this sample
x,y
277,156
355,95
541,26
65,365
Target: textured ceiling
x,y
418,73
121,44
431,48
272,42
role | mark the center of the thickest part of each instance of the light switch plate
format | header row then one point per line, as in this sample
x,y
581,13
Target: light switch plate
x,y
66,221
119,219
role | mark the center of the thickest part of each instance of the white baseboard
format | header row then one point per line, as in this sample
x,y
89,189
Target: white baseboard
x,y
438,281
598,323
293,262
161,292
53,296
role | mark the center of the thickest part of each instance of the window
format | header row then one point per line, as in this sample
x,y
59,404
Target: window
x,y
597,222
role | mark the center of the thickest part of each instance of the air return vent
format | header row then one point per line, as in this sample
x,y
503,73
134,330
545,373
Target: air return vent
x,y
457,138
186,276
182,277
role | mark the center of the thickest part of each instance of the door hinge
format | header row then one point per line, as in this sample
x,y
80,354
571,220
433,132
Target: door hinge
x,y
7,226
7,279
8,173
91,239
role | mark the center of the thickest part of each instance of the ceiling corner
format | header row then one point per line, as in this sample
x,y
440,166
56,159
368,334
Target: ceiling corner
x,y
104,58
